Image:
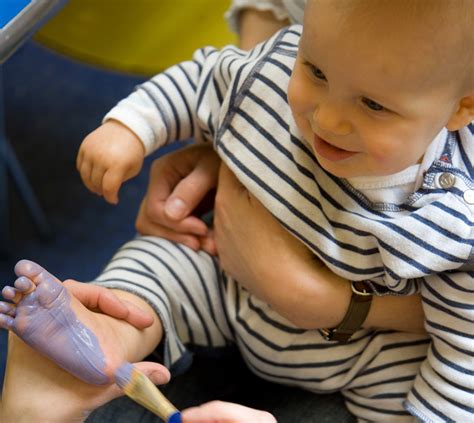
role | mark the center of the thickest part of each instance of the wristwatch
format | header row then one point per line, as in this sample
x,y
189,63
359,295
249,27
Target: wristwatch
x,y
356,314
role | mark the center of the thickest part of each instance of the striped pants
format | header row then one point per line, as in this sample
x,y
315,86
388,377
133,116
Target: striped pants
x,y
200,306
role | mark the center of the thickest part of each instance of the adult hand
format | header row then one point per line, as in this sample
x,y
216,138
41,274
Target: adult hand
x,y
225,412
180,183
103,300
37,390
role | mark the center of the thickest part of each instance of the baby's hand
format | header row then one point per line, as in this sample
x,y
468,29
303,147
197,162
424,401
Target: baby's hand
x,y
109,156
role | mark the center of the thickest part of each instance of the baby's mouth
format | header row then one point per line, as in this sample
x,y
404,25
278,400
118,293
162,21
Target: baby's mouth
x,y
329,151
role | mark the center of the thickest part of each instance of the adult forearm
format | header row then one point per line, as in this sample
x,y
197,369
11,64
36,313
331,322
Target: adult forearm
x,y
256,26
320,299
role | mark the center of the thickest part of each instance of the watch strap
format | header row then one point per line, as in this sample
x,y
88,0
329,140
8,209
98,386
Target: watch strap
x,y
355,316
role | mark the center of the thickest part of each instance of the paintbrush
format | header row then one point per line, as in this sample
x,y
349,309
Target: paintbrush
x,y
143,391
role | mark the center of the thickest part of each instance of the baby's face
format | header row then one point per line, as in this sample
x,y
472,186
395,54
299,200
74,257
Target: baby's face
x,y
367,101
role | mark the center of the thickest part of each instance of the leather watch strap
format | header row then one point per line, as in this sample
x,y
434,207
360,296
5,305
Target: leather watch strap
x,y
356,314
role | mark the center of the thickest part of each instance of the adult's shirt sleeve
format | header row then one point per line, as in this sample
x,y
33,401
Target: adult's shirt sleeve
x,y
232,15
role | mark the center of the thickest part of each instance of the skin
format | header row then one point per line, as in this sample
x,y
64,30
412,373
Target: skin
x,y
322,112
52,321
379,117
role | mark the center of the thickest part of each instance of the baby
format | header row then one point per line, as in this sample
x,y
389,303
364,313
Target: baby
x,y
355,132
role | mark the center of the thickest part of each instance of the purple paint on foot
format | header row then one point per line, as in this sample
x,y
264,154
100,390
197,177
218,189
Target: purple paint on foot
x,y
45,321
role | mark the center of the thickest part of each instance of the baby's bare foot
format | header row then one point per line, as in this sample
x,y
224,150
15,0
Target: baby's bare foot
x,y
47,318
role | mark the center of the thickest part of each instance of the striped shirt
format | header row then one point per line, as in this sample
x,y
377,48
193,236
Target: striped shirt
x,y
237,100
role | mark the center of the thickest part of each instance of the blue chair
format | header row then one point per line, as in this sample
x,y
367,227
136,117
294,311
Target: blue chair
x,y
19,19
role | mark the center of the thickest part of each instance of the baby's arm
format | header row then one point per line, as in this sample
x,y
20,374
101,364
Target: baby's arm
x,y
444,387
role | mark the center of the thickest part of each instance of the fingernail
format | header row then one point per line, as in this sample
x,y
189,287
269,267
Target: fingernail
x,y
175,208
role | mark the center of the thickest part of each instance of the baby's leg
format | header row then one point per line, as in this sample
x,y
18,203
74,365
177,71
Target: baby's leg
x,y
46,317
385,371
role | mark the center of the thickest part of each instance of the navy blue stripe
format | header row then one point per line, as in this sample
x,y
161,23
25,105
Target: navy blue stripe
x,y
299,380
445,310
305,365
205,288
181,283
271,84
441,230
449,281
407,259
449,330
455,304
453,213
277,325
469,353
383,382
407,344
184,99
444,418
173,109
450,400
184,316
370,271
450,364
160,110
466,389
279,65
277,144
284,176
392,365
190,81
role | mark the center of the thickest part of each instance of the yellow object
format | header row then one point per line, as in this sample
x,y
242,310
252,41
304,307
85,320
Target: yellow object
x,y
137,36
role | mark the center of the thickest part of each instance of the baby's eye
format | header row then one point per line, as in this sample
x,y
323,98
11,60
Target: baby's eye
x,y
373,105
318,73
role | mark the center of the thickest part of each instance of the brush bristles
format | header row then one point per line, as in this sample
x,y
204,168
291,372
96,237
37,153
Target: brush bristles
x,y
143,391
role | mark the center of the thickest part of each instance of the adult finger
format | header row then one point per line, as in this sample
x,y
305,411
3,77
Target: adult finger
x,y
225,412
101,299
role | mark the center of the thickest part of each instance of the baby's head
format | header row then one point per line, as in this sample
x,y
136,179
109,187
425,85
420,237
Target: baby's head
x,y
376,80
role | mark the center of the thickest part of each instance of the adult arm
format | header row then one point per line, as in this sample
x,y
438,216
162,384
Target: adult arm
x,y
256,26
268,261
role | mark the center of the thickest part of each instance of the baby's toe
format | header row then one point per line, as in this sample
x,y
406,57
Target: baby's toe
x,y
31,270
24,285
7,308
6,322
9,293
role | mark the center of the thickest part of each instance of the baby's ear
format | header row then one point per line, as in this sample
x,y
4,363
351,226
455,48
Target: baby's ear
x,y
463,115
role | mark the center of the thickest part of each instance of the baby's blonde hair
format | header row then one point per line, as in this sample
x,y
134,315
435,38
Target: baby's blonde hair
x,y
448,25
